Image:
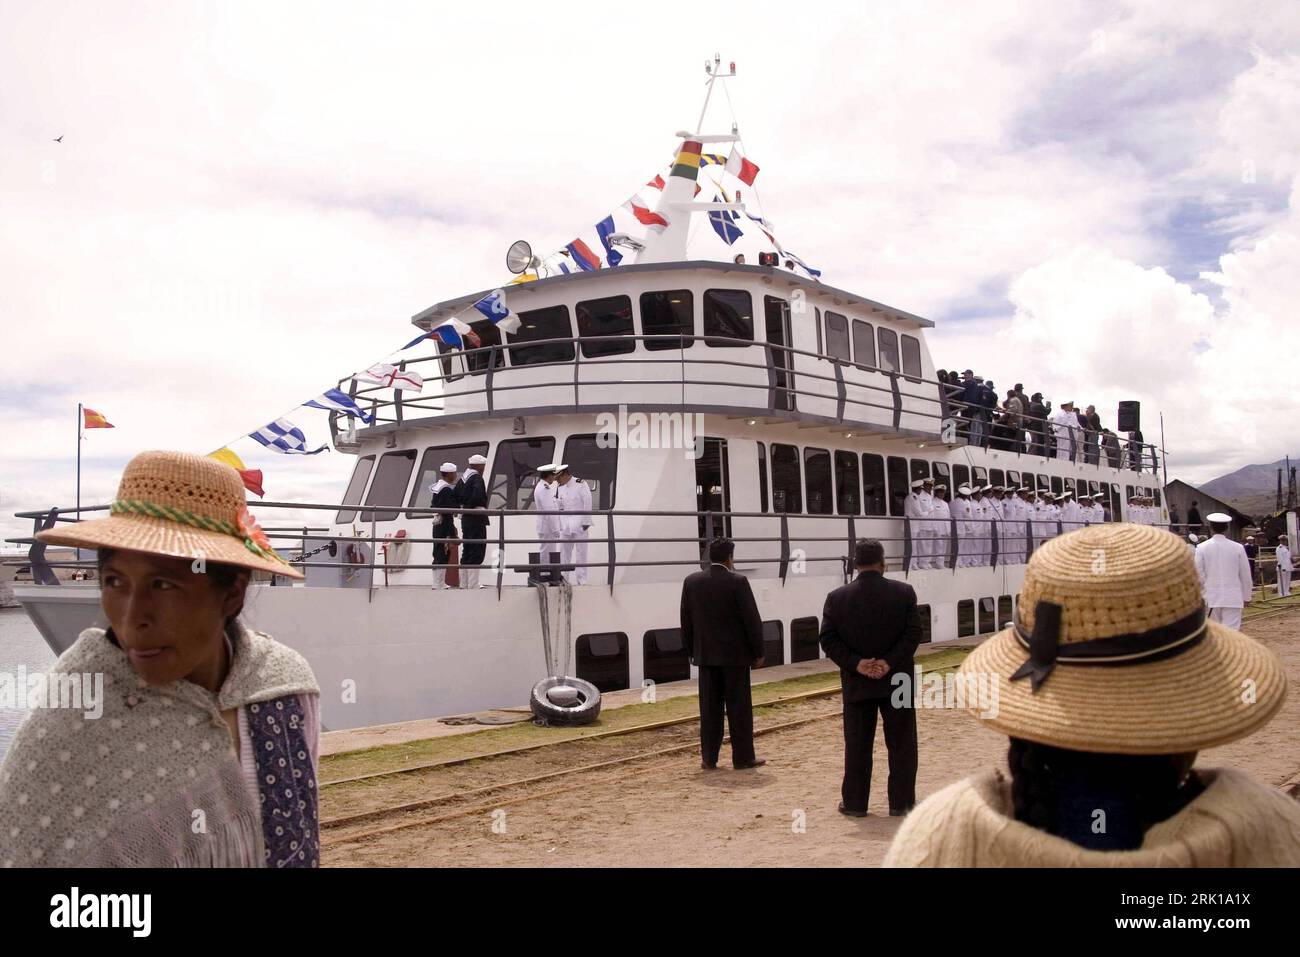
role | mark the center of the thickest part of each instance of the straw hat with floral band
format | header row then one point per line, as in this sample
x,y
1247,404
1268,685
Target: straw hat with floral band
x,y
180,506
1112,652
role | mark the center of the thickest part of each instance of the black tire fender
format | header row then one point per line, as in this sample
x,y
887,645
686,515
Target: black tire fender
x,y
547,711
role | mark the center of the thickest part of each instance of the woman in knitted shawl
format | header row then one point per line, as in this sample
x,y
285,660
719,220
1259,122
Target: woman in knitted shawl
x,y
1109,682
202,750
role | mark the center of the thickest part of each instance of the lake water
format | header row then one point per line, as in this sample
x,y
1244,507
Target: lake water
x,y
20,645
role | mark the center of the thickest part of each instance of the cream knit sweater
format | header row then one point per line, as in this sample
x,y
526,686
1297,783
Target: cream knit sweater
x,y
1235,822
153,781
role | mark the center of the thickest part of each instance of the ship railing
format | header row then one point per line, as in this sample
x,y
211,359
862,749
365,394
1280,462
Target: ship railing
x,y
1002,543
946,418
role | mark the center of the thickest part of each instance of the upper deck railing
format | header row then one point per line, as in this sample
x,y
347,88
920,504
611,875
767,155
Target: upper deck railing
x,y
770,380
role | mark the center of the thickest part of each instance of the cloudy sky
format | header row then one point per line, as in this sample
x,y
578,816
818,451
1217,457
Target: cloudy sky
x,y
251,200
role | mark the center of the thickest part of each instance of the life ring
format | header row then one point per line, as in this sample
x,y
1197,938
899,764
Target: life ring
x,y
565,701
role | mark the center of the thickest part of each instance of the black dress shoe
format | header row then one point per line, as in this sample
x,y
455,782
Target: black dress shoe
x,y
756,763
851,813
708,765
899,811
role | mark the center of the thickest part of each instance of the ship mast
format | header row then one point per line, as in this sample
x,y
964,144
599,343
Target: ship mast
x,y
677,203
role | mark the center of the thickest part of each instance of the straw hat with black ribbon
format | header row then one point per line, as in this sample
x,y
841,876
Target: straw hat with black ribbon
x,y
1112,652
179,506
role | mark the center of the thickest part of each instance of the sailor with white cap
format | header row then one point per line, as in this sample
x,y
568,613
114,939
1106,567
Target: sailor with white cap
x,y
1191,543
473,518
960,509
573,501
1014,508
941,528
1225,573
1071,514
978,526
548,522
998,521
445,493
916,509
1284,562
1064,425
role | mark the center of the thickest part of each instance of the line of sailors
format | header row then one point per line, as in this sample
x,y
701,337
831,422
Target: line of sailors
x,y
563,505
1143,510
1011,515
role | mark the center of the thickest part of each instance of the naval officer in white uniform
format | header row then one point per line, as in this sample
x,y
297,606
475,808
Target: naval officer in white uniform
x,y
1225,573
548,519
573,504
916,509
1284,561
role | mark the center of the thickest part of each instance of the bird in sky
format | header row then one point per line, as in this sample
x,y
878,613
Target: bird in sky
x,y
59,138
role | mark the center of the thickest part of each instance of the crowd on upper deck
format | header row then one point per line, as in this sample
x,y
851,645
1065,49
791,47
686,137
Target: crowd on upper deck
x,y
1027,423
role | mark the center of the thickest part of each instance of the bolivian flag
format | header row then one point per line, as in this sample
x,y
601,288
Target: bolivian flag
x,y
93,420
252,478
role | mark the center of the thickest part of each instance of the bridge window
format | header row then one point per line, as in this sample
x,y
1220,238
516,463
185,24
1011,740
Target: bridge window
x,y
837,337
514,473
427,475
389,486
1013,478
980,475
817,475
1155,494
664,656
848,486
927,626
762,477
1058,486
670,314
804,639
912,357
356,485
986,622
1043,482
960,476
943,476
1114,503
611,316
864,344
920,469
540,324
888,350
596,466
874,497
728,314
898,484
603,660
786,493
487,334
997,477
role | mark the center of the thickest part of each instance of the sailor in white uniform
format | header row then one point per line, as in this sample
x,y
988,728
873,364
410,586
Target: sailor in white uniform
x,y
1065,425
1015,511
1192,541
998,522
1284,563
573,503
961,510
548,519
1071,513
916,509
1055,515
978,527
1096,514
941,525
1225,573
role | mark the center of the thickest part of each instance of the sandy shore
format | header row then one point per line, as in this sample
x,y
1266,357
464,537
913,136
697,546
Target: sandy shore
x,y
667,812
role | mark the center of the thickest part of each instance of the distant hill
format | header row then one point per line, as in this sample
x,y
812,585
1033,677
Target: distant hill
x,y
1251,489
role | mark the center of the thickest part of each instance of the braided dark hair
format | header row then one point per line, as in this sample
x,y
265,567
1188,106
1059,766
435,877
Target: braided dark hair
x,y
1099,801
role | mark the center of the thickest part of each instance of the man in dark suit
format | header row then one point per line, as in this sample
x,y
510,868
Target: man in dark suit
x,y
870,628
723,635
472,492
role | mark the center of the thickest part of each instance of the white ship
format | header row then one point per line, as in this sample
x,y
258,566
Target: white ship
x,y
815,407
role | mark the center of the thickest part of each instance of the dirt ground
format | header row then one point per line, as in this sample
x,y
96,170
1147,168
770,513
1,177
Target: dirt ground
x,y
667,812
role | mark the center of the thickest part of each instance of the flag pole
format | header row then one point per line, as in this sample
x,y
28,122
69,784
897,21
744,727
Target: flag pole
x,y
78,461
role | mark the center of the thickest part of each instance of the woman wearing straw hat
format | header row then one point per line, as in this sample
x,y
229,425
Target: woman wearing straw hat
x,y
201,748
1110,681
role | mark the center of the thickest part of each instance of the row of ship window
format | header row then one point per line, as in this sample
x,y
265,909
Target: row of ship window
x,y
832,483
829,482
603,658
728,320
